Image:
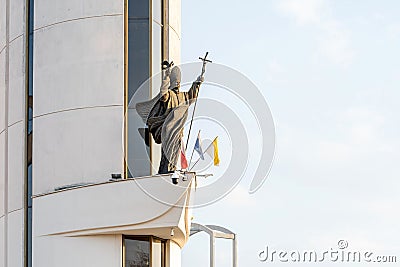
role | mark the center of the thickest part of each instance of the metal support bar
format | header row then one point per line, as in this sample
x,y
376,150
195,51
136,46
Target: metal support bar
x,y
234,252
224,235
215,231
212,251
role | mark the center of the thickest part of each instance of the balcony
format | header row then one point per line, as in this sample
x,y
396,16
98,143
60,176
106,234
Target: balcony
x,y
150,205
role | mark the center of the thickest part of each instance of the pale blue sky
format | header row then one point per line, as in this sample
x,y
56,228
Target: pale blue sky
x,y
330,72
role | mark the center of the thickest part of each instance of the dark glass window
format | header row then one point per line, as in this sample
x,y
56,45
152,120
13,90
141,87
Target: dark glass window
x,y
29,137
138,44
144,251
138,71
137,252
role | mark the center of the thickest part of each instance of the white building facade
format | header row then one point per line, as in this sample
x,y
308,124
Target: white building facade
x,y
67,72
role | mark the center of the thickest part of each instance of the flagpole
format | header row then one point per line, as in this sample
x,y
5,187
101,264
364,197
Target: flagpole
x,y
203,70
203,153
191,157
191,120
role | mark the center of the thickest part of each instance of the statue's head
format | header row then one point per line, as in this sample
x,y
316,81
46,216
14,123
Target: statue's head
x,y
175,78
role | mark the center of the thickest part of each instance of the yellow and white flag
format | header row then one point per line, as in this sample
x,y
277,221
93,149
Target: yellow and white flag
x,y
216,157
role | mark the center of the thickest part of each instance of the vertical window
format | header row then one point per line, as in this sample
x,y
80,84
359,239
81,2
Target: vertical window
x,y
144,251
138,64
29,137
144,57
138,44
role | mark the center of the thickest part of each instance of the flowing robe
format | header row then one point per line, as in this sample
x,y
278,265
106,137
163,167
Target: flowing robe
x,y
165,116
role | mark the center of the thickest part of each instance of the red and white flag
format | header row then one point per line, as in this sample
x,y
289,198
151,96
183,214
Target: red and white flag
x,y
184,164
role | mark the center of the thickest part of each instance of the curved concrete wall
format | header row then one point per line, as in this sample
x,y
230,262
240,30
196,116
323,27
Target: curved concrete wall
x,y
78,92
12,131
78,81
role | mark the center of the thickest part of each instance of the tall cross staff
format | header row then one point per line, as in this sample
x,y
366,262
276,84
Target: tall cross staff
x,y
203,70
